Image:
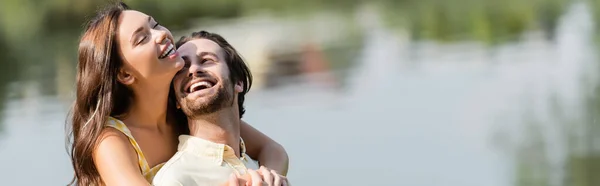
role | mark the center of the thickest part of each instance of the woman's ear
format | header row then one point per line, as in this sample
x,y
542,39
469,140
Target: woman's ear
x,y
125,77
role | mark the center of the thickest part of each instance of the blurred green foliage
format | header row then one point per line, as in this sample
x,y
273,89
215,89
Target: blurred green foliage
x,y
445,20
488,21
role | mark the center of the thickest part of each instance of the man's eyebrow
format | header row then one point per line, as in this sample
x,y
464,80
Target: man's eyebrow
x,y
208,53
138,30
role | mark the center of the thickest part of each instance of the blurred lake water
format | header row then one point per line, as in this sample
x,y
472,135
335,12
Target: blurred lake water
x,y
357,102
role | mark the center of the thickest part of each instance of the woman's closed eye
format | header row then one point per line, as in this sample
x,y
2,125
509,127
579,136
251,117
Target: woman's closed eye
x,y
145,36
142,39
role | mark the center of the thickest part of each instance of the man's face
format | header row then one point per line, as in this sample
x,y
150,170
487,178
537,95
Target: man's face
x,y
203,85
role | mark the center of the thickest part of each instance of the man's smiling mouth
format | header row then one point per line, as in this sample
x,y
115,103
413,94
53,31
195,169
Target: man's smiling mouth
x,y
199,84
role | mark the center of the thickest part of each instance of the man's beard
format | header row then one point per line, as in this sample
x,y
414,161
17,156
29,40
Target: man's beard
x,y
223,98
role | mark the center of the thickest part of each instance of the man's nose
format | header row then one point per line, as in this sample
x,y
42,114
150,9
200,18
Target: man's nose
x,y
195,69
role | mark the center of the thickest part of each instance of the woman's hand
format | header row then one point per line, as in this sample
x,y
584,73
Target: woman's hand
x,y
272,178
234,181
262,177
251,178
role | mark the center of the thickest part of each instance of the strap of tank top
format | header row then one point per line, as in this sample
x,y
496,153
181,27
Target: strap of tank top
x,y
119,125
242,148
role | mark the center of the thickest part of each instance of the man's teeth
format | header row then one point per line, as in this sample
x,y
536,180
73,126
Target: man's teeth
x,y
200,85
168,51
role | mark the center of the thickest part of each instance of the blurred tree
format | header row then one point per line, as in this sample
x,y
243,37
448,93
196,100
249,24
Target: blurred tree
x,y
489,21
8,71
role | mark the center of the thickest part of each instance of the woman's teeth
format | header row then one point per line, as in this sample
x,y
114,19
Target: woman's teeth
x,y
169,51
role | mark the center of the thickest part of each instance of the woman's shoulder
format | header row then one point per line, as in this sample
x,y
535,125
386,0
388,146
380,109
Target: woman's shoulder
x,y
118,125
114,156
114,135
111,134
115,132
114,143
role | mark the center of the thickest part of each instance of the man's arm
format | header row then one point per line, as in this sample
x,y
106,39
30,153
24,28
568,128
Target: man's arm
x,y
268,152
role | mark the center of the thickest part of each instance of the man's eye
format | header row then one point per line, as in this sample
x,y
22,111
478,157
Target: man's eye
x,y
207,60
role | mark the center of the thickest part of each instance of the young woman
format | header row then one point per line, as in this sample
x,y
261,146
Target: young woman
x,y
121,126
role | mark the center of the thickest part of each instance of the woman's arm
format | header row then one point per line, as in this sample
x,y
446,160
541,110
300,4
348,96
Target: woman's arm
x,y
116,160
264,149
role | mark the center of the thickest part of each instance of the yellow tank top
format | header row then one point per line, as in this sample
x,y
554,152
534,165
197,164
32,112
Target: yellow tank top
x,y
147,172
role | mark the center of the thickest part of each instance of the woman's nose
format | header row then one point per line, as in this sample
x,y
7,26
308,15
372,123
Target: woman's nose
x,y
161,37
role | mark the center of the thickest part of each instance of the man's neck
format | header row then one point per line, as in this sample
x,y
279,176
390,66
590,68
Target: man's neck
x,y
220,127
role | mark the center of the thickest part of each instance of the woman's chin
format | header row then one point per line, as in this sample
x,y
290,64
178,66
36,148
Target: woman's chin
x,y
179,64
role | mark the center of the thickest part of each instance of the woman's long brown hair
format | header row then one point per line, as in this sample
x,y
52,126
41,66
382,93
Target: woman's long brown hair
x,y
99,94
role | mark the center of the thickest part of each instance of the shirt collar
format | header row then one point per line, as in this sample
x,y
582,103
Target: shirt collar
x,y
215,151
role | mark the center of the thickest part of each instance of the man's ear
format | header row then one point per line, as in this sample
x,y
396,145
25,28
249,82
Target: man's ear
x,y
239,87
125,77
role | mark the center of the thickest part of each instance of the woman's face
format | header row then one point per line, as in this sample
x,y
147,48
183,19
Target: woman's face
x,y
147,49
